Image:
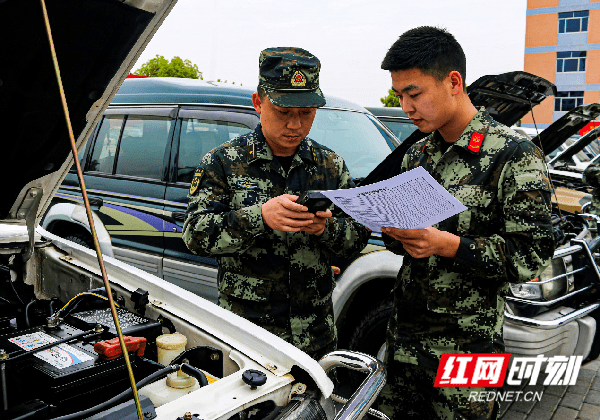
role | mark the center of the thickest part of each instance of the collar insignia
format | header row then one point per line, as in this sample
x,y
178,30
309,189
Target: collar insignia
x,y
298,79
475,142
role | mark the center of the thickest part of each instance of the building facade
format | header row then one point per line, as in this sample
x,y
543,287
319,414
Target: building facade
x,y
562,44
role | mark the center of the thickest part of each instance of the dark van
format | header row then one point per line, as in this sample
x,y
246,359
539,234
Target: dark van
x,y
138,165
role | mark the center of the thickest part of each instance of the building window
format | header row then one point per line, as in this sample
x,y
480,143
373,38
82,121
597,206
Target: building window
x,y
569,61
569,22
566,101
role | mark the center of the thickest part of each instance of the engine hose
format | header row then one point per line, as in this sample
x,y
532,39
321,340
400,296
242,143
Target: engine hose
x,y
196,373
31,302
190,370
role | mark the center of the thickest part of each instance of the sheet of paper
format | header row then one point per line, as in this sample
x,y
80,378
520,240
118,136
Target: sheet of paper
x,y
412,200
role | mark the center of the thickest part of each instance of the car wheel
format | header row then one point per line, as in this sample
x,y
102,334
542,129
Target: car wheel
x,y
369,335
80,239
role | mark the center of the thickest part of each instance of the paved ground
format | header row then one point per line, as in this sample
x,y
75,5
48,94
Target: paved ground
x,y
580,401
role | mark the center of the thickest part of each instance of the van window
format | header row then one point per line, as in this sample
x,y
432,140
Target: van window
x,y
198,137
353,136
105,148
142,147
401,129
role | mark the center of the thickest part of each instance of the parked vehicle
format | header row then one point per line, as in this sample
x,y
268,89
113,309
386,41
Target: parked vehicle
x,y
191,359
395,119
569,154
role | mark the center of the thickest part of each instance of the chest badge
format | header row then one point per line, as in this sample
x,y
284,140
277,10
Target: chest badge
x,y
475,143
196,180
247,184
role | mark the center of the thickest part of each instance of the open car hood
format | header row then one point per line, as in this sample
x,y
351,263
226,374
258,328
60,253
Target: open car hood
x,y
508,97
97,42
566,126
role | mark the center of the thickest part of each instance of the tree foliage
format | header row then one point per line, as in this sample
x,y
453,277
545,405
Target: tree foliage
x,y
159,66
390,100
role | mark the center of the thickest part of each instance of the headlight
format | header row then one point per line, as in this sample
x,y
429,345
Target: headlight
x,y
526,291
553,283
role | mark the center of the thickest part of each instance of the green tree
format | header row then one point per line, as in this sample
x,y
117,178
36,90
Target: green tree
x,y
159,66
390,100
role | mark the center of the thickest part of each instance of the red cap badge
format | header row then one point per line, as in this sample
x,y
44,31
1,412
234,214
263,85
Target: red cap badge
x,y
475,143
298,79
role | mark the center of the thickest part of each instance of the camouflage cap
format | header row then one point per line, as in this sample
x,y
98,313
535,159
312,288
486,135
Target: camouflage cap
x,y
290,77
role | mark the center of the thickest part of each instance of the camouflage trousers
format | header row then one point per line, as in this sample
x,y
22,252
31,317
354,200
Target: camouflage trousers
x,y
409,394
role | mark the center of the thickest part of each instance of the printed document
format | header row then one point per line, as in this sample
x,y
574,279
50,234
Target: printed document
x,y
411,200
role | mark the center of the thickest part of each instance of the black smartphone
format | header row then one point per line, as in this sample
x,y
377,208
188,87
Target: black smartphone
x,y
314,200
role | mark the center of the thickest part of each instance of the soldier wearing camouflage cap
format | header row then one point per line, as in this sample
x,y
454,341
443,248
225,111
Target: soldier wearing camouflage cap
x,y
449,295
274,256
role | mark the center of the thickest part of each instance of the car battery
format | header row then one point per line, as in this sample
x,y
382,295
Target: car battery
x,y
130,323
63,373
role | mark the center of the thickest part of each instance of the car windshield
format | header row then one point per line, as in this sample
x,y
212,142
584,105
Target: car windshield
x,y
401,129
585,155
594,147
356,137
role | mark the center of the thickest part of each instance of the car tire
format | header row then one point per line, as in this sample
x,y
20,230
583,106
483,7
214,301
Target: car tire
x,y
369,335
80,239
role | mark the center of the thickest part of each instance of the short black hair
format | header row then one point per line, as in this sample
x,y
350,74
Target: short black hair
x,y
432,50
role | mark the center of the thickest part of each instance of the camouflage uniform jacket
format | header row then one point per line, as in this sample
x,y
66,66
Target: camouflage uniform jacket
x,y
454,305
280,281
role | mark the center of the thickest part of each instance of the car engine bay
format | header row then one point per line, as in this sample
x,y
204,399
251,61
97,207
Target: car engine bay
x,y
60,355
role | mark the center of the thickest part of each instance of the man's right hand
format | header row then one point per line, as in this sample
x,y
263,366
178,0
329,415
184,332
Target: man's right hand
x,y
283,213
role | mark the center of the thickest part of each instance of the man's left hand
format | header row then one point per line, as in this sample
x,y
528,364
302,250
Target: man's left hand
x,y
423,243
319,222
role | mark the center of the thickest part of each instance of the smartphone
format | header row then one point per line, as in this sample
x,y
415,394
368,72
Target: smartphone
x,y
314,200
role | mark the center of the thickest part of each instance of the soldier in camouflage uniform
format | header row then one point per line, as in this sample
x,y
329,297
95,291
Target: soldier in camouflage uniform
x,y
274,256
449,295
591,177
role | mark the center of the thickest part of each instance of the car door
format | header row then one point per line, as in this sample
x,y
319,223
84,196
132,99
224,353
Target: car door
x,y
125,177
198,131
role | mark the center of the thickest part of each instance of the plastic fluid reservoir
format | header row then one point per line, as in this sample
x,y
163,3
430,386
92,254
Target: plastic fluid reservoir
x,y
177,383
169,347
